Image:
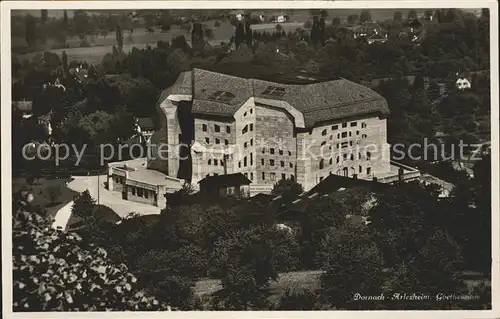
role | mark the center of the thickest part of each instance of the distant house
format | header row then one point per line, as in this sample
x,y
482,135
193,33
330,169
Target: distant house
x,y
80,74
366,30
225,185
463,82
144,127
24,107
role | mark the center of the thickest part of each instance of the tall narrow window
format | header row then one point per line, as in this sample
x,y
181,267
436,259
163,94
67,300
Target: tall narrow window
x,y
204,127
273,176
228,129
360,169
368,170
251,127
239,164
363,125
291,165
251,142
251,159
216,162
282,163
217,141
271,150
330,161
352,157
209,162
226,142
368,155
344,124
245,161
283,176
262,161
217,128
263,176
251,176
271,162
321,164
323,133
280,152
207,140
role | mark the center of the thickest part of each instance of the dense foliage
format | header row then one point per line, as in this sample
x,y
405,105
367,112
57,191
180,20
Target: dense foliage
x,y
58,271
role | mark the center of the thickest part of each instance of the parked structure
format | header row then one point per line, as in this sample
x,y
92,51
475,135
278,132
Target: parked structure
x,y
137,183
269,131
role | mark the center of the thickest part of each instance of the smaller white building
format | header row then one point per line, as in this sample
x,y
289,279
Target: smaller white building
x,y
463,82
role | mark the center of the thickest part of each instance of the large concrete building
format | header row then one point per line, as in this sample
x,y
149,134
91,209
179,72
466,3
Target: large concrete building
x,y
269,131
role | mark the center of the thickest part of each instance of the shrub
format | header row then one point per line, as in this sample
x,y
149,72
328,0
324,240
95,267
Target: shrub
x,y
57,271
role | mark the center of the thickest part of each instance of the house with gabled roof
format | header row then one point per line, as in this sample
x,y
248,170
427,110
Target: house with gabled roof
x,y
270,130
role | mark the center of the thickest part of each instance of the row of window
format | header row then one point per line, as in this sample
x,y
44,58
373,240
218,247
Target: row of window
x,y
217,141
215,162
343,134
245,114
246,128
140,192
344,125
217,128
272,176
271,151
271,162
343,144
344,156
245,161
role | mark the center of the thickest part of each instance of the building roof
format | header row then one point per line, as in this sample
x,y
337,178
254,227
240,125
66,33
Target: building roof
x,y
145,123
227,180
335,182
221,94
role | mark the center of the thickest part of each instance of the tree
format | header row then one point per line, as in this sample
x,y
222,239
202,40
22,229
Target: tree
x,y
435,268
398,16
119,38
43,16
30,34
351,264
54,192
287,188
352,19
65,20
239,34
245,263
412,14
65,63
365,16
58,271
83,205
403,219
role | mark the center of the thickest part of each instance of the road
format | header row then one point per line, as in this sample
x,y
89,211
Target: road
x,y
109,198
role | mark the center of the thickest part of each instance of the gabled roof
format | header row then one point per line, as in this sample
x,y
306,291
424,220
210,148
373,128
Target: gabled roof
x,y
227,180
145,123
377,36
318,101
23,106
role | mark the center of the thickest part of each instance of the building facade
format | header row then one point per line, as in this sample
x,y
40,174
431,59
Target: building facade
x,y
269,131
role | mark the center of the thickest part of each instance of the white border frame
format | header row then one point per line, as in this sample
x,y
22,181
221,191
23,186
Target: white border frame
x,y
7,6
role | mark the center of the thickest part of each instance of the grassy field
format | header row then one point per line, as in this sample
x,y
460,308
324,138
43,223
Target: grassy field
x,y
140,38
41,190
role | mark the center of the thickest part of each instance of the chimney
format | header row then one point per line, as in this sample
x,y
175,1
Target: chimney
x,y
400,174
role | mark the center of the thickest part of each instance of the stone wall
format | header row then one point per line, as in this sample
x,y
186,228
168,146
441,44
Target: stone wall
x,y
274,132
